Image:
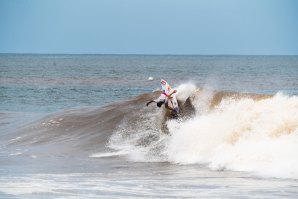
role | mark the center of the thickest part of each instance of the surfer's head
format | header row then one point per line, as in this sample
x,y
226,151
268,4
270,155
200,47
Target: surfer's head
x,y
160,103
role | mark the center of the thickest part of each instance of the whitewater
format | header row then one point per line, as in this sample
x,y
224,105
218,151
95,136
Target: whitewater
x,y
238,132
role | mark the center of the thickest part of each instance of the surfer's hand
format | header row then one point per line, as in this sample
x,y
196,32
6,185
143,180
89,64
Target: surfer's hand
x,y
175,91
148,103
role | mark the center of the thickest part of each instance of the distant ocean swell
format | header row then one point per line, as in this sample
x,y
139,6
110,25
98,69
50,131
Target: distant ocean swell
x,y
222,130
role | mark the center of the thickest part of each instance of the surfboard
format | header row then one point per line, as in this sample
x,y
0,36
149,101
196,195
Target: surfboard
x,y
166,88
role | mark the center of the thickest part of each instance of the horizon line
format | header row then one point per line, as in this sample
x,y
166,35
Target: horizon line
x,y
148,54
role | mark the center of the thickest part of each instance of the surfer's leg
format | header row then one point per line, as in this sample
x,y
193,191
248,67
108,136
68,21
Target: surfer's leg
x,y
167,106
174,113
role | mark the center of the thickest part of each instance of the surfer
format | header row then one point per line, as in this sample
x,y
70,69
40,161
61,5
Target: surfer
x,y
165,98
168,98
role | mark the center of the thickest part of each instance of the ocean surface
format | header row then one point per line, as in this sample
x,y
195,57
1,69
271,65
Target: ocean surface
x,y
77,126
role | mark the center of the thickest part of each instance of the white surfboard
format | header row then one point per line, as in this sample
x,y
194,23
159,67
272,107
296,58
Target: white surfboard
x,y
166,88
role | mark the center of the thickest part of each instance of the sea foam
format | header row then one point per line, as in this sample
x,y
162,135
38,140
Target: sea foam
x,y
241,132
259,136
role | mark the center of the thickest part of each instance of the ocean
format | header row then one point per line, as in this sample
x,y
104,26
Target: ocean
x,y
77,126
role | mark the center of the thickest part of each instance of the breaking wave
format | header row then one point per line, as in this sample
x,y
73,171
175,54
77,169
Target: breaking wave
x,y
222,130
225,131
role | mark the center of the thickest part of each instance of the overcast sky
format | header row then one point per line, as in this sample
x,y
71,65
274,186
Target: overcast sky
x,y
266,27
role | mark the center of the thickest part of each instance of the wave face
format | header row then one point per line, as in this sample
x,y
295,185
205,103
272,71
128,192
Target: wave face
x,y
225,131
72,132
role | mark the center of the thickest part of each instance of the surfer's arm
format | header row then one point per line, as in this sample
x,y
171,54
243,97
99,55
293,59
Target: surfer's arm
x,y
174,91
149,102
